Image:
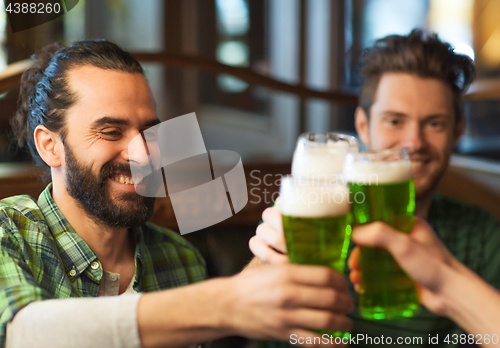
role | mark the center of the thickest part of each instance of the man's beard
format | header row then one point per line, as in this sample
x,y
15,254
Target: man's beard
x,y
129,210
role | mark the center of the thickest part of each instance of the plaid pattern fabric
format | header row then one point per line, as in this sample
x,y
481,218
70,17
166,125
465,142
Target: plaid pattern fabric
x,y
473,237
42,257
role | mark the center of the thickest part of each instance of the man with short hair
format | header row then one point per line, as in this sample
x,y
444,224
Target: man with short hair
x,y
411,97
87,234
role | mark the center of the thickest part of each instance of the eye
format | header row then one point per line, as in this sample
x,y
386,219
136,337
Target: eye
x,y
436,125
111,135
149,135
394,122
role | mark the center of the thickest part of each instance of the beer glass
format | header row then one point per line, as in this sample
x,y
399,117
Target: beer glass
x,y
321,155
382,189
316,222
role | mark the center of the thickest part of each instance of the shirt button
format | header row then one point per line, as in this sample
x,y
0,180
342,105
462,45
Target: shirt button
x,y
94,265
113,277
72,273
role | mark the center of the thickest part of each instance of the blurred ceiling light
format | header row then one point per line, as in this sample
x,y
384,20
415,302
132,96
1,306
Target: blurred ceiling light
x,y
234,53
232,17
231,84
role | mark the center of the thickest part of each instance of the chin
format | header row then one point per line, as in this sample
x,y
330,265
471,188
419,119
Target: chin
x,y
424,188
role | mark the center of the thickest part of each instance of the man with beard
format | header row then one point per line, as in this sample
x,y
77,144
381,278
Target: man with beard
x,y
411,97
88,236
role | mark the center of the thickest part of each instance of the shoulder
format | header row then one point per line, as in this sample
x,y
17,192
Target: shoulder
x,y
452,211
19,211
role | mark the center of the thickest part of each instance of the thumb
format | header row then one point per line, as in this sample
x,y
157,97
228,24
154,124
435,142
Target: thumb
x,y
412,256
378,234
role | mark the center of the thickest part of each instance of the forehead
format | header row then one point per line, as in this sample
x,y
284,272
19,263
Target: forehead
x,y
109,93
411,94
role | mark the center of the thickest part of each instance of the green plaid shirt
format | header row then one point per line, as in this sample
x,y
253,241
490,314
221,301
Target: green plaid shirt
x,y
42,257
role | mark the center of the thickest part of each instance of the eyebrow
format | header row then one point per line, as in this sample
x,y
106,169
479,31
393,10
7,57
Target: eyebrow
x,y
401,114
394,113
107,120
152,123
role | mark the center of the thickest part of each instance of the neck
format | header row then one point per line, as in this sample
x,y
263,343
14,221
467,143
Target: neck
x,y
114,247
423,206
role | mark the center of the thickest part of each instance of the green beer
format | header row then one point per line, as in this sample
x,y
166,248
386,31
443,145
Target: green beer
x,y
317,225
386,291
322,241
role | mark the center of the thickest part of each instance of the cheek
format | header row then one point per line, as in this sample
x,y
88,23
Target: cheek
x,y
441,144
99,156
382,138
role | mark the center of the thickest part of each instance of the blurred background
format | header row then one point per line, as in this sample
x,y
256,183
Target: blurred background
x,y
258,73
310,43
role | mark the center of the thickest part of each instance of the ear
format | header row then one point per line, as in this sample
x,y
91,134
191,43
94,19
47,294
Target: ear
x,y
459,129
49,146
361,123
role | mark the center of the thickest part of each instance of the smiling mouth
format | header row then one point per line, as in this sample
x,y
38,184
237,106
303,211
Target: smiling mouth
x,y
123,179
415,165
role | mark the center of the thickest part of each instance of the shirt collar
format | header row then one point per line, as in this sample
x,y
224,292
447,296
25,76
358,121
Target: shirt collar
x,y
139,259
74,252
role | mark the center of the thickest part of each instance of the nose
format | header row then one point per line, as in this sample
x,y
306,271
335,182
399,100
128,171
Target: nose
x,y
414,139
136,151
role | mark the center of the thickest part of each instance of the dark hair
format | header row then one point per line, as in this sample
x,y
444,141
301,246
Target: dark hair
x,y
419,53
45,94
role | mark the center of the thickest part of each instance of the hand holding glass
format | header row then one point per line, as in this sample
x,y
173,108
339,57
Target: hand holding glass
x,y
316,222
382,189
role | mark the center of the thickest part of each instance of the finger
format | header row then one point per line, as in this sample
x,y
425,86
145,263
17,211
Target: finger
x,y
271,236
379,234
273,217
315,319
353,262
355,277
315,297
357,288
314,275
277,202
265,253
373,234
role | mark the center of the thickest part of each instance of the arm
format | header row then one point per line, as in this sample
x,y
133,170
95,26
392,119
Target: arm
x,y
271,302
76,322
446,286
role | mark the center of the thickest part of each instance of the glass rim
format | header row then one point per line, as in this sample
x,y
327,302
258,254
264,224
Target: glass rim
x,y
373,153
351,139
304,180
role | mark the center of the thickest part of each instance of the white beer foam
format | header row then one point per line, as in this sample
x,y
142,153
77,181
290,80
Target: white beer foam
x,y
373,173
315,159
315,201
315,165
